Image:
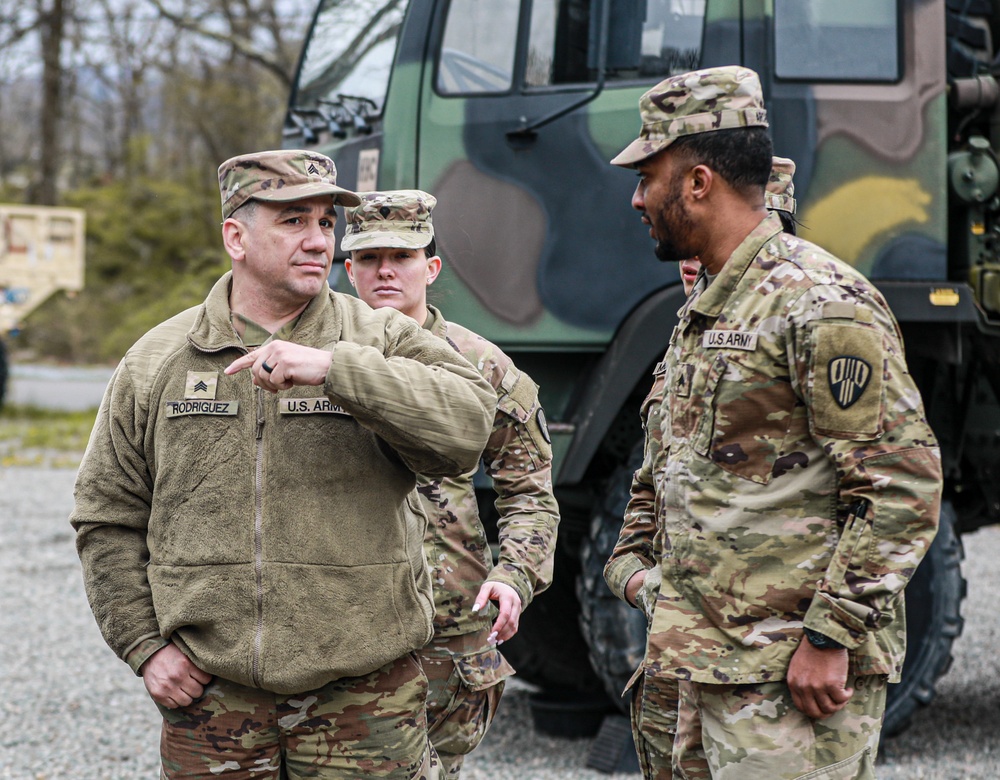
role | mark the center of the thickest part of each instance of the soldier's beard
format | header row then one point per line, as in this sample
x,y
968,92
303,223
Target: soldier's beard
x,y
673,230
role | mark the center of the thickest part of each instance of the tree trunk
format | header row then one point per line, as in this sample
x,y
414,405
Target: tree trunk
x,y
53,23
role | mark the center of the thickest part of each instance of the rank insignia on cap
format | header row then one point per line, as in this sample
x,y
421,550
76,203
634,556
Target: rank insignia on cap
x,y
849,376
201,385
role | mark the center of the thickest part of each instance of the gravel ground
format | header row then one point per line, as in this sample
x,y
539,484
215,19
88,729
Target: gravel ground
x,y
70,710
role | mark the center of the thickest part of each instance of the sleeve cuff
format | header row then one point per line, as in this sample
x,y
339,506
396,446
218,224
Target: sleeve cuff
x,y
514,579
618,572
843,621
141,651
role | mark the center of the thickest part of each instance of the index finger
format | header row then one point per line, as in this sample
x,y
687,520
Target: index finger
x,y
240,363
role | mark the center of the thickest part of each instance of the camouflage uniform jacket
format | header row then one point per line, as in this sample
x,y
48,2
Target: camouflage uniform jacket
x,y
518,458
790,477
275,538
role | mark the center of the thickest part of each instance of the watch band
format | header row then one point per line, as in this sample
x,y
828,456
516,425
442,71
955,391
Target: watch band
x,y
822,641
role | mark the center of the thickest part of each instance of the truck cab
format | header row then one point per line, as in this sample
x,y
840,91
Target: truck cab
x,y
508,111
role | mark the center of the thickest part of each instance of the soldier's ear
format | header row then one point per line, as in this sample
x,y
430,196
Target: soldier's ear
x,y
349,268
433,268
233,239
700,180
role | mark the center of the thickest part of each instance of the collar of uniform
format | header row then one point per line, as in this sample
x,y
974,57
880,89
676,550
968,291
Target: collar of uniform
x,y
255,335
212,330
711,301
435,322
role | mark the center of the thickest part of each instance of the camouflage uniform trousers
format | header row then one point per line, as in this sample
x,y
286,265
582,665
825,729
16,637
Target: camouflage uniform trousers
x,y
371,726
466,676
734,732
654,724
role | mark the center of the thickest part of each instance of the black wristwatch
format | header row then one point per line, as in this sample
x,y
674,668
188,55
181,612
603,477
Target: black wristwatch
x,y
822,641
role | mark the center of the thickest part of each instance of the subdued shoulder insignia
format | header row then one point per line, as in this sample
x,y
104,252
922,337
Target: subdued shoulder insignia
x,y
849,376
542,425
846,380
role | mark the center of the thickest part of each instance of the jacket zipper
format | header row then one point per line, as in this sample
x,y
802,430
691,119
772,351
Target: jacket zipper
x,y
258,537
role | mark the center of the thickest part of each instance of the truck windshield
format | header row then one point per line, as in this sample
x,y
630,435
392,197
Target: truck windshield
x,y
647,39
350,52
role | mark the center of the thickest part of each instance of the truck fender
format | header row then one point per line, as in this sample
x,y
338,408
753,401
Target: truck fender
x,y
638,343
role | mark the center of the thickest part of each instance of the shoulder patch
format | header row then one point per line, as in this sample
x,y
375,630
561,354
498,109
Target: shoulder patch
x,y
849,376
543,425
846,381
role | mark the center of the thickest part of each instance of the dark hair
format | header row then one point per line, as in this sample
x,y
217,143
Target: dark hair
x,y
246,212
787,221
431,249
741,156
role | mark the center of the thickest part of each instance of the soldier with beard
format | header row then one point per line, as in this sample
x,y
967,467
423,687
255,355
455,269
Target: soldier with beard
x,y
792,484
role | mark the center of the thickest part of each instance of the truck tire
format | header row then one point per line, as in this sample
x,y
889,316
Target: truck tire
x,y
933,622
616,633
548,649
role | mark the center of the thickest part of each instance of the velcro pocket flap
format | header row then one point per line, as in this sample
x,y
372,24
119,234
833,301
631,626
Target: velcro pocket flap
x,y
517,395
483,668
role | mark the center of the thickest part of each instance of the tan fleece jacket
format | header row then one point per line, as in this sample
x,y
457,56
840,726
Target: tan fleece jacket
x,y
276,540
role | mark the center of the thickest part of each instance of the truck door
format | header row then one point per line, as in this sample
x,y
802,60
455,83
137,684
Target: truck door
x,y
523,103
855,94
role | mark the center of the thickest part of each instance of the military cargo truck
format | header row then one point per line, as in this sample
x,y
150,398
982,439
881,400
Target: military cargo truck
x,y
509,110
41,251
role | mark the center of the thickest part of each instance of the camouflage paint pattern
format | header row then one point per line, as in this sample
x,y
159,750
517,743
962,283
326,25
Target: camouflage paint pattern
x,y
523,274
518,460
464,160
766,459
371,726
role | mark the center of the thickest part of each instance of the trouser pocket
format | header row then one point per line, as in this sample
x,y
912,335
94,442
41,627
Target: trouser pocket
x,y
465,691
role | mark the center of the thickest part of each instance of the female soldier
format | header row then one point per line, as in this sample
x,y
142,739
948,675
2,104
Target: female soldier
x,y
393,261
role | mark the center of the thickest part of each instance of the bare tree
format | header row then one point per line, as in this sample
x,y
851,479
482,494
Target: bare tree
x,y
118,88
119,58
251,31
52,21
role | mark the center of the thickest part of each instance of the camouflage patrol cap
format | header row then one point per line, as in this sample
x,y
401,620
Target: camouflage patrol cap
x,y
696,102
398,218
279,176
780,189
